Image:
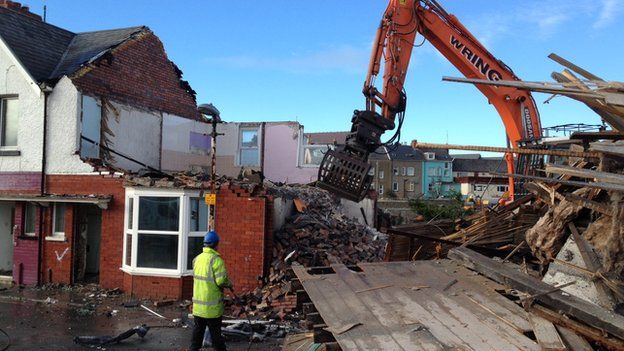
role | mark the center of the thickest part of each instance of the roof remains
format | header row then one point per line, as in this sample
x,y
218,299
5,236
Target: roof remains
x,y
49,52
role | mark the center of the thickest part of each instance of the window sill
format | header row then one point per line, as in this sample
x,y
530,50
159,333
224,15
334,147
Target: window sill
x,y
153,272
55,238
9,152
27,237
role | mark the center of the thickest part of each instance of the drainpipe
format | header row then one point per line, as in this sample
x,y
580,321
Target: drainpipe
x,y
262,144
46,93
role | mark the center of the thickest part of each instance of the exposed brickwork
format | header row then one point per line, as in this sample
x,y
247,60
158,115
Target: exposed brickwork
x,y
241,224
57,263
111,244
139,73
20,182
158,288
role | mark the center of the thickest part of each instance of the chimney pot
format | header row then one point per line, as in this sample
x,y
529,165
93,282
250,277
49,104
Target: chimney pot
x,y
17,7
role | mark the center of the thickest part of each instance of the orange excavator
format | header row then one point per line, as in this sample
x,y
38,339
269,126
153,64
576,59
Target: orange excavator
x,y
345,170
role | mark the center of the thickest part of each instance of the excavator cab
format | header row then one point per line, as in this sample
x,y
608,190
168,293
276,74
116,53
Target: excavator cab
x,y
344,171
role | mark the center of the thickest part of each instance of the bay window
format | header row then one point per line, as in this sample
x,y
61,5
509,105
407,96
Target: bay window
x,y
164,230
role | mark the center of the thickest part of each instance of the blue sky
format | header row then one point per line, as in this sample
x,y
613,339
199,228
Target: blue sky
x,y
275,60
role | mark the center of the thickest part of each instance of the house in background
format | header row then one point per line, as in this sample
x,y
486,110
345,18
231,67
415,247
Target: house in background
x,y
73,104
474,175
437,173
397,172
281,151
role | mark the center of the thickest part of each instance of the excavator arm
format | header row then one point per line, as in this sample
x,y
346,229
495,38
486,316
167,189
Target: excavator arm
x,y
345,170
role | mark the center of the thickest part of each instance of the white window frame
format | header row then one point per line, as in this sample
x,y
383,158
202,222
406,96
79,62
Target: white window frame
x,y
183,232
411,171
241,148
395,171
371,171
403,171
502,188
430,156
395,186
31,234
2,123
381,174
411,186
381,189
56,236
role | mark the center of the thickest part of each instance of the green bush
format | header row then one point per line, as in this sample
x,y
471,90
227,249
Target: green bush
x,y
452,208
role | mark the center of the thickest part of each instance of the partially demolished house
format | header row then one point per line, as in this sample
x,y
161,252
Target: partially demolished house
x,y
73,104
280,151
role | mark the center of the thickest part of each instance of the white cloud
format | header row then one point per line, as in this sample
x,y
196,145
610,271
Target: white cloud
x,y
610,10
345,59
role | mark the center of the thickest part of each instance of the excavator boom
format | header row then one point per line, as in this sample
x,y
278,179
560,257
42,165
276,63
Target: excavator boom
x,y
345,170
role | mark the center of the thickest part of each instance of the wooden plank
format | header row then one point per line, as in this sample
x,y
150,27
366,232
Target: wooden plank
x,y
572,341
389,312
474,326
591,333
594,185
609,148
586,74
546,334
593,264
582,310
339,306
586,173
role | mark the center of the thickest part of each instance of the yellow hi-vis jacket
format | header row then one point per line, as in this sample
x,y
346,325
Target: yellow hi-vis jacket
x,y
209,280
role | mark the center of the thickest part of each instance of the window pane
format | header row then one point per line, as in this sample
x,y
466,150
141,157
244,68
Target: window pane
x,y
249,157
130,212
157,251
59,218
313,155
9,122
249,138
199,215
159,213
410,171
195,246
29,220
128,256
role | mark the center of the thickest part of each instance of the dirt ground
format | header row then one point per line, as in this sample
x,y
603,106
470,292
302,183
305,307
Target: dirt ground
x,y
49,319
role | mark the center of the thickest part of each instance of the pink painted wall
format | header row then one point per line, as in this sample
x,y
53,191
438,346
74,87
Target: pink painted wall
x,y
26,251
281,151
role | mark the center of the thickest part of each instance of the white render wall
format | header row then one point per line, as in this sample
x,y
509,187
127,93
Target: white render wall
x,y
134,133
13,81
177,154
63,140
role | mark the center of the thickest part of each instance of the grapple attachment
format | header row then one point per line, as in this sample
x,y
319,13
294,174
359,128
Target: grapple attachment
x,y
345,174
344,171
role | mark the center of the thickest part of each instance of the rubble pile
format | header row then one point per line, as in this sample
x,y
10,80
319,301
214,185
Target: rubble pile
x,y
317,234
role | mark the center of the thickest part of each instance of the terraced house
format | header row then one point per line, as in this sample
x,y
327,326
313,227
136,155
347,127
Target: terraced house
x,y
78,112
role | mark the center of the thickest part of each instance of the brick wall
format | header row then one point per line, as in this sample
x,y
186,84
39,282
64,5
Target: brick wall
x,y
25,252
139,73
20,182
158,288
111,244
57,262
241,224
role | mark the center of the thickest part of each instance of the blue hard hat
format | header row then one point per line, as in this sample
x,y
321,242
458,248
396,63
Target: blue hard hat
x,y
211,237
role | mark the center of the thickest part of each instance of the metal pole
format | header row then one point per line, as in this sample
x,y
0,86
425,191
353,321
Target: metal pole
x,y
213,170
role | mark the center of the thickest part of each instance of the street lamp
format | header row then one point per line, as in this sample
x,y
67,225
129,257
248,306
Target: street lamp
x,y
215,117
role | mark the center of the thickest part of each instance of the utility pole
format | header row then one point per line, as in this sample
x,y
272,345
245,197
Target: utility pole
x,y
215,118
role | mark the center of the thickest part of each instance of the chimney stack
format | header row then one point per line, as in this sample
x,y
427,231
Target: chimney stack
x,y
17,7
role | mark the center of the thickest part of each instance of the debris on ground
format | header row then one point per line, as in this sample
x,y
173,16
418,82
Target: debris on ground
x,y
140,330
316,234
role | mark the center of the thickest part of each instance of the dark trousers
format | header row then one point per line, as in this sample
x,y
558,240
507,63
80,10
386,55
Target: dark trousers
x,y
214,325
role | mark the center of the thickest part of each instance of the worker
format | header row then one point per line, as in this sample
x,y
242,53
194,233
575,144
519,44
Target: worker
x,y
209,280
